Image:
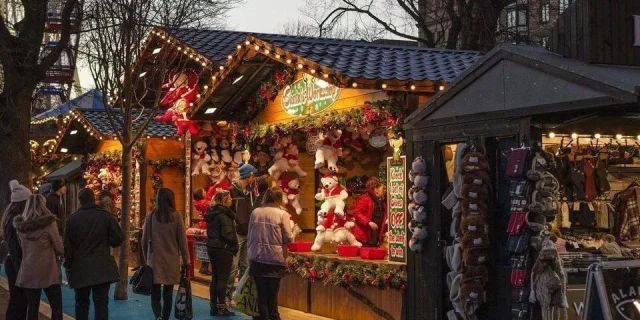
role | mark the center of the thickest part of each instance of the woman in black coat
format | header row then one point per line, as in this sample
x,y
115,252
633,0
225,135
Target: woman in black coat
x,y
222,245
17,308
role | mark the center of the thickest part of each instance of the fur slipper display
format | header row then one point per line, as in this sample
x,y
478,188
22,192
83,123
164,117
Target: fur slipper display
x,y
417,207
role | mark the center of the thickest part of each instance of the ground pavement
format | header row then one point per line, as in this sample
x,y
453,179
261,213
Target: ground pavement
x,y
138,306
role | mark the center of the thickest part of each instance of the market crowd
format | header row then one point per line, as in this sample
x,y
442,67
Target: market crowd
x,y
247,227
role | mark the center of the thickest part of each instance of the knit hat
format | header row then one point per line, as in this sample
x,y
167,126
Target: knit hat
x,y
58,184
18,192
246,170
45,189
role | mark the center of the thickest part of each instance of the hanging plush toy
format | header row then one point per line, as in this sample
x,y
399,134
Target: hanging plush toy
x,y
201,159
291,187
183,92
291,154
330,150
333,196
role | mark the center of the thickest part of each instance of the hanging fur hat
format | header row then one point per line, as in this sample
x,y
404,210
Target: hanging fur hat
x,y
471,296
457,169
479,178
476,192
474,161
470,240
475,256
478,273
473,207
474,224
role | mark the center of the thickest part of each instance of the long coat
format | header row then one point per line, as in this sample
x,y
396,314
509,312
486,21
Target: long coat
x,y
90,233
41,245
168,244
363,213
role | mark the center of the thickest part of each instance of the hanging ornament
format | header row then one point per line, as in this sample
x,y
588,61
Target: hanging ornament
x,y
378,137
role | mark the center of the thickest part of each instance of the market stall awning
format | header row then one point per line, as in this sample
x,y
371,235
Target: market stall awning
x,y
515,80
89,100
70,169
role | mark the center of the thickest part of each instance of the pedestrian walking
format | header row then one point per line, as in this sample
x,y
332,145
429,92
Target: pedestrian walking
x,y
90,233
164,242
243,199
17,308
270,231
41,246
55,203
222,245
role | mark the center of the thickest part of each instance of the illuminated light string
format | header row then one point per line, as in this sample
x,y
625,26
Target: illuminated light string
x,y
574,135
256,46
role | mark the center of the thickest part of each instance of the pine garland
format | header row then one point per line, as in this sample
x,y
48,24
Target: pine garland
x,y
267,92
156,176
347,273
387,113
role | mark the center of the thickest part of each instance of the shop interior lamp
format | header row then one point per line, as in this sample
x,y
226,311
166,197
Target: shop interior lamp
x,y
237,79
142,74
157,50
618,136
210,110
597,136
574,136
73,132
552,135
64,150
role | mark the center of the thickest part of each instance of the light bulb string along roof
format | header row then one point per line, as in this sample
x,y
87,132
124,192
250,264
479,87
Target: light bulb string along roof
x,y
617,136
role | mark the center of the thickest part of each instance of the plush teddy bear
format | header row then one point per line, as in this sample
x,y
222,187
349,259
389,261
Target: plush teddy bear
x,y
291,187
224,149
201,159
419,233
334,228
105,176
418,167
330,150
421,181
261,162
291,154
418,195
239,152
333,196
280,165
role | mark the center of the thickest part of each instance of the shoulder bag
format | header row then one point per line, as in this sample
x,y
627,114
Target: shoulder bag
x,y
142,280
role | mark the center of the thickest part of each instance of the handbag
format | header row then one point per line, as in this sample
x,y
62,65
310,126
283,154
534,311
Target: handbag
x,y
184,303
246,295
142,280
517,165
519,277
516,223
518,244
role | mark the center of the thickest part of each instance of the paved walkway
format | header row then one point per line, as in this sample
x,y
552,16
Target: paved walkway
x,y
138,307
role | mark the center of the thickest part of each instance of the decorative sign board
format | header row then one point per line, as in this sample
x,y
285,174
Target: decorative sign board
x,y
308,95
613,291
397,204
201,251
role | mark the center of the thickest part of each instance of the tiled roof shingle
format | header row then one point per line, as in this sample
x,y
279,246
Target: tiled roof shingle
x,y
356,59
100,120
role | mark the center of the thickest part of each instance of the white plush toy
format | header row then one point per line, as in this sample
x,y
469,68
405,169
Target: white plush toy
x,y
342,234
291,187
330,150
201,159
291,154
336,229
419,233
418,212
105,176
333,195
418,168
419,196
421,181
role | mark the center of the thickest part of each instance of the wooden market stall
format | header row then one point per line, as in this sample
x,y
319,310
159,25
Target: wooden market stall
x,y
268,93
562,108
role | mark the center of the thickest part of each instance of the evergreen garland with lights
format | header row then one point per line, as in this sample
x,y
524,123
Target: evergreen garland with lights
x,y
156,176
267,92
347,273
387,113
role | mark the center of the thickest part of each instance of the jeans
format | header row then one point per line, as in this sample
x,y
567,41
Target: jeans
x,y
268,298
240,264
221,262
100,302
167,300
54,295
17,309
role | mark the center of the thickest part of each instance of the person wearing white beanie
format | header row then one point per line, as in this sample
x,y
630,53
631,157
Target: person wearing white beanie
x,y
17,307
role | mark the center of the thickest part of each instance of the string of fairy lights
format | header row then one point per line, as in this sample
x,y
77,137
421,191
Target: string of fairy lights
x,y
275,53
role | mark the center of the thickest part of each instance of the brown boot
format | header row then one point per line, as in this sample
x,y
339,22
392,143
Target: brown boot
x,y
223,311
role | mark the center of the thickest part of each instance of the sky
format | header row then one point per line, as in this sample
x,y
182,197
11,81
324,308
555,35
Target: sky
x,y
266,16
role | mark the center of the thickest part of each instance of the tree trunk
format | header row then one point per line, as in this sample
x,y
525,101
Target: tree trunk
x,y
121,291
15,159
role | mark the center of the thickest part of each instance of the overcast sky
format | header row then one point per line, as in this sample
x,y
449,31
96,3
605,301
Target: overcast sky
x,y
254,16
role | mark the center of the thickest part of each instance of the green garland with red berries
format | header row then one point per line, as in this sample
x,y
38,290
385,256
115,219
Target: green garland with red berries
x,y
347,273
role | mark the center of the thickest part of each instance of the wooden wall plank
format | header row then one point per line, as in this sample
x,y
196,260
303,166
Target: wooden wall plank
x,y
573,10
617,28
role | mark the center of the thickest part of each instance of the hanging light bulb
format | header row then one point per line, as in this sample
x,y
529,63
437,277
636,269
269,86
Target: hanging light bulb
x,y
552,135
597,136
574,136
618,136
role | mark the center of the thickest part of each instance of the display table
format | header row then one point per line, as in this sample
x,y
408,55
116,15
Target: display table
x,y
343,288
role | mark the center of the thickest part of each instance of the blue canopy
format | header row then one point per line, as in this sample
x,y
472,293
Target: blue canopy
x,y
89,100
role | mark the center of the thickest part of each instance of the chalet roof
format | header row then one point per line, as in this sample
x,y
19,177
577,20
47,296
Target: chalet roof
x,y
91,99
356,59
517,80
99,119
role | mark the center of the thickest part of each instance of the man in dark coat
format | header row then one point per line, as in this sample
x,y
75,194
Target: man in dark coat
x,y
90,232
55,204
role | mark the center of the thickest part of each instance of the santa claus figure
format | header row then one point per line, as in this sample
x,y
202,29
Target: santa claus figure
x,y
183,93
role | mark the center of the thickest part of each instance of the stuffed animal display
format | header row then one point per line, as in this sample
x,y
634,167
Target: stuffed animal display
x,y
291,187
332,195
286,160
417,201
200,159
330,150
334,228
182,94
